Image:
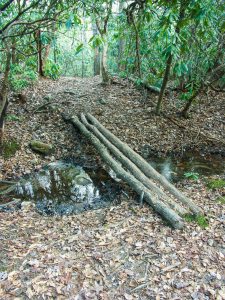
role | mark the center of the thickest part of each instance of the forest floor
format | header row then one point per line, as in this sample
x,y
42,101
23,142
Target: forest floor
x,y
126,251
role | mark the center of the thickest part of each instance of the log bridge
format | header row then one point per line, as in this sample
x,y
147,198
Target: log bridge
x,y
129,166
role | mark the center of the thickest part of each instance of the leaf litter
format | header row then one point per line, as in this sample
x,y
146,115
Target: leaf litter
x,y
122,252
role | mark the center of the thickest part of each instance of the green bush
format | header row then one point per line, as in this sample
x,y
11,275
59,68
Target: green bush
x,y
52,69
22,77
191,175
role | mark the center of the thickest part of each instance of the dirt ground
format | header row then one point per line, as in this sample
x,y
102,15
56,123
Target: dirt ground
x,y
126,251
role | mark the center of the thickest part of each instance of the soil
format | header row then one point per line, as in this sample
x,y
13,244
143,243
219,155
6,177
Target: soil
x,y
122,252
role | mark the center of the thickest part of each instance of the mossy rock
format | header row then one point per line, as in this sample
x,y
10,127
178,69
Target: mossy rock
x,y
41,147
82,180
70,174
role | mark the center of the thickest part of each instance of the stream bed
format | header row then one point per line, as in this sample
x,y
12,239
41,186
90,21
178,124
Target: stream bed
x,y
67,187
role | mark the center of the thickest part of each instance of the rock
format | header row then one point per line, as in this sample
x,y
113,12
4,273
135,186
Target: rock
x,y
210,242
102,101
82,180
41,147
27,205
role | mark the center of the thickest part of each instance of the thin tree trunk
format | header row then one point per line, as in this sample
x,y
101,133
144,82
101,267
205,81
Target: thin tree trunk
x,y
170,58
13,51
104,68
39,50
121,66
137,47
145,167
4,95
164,84
46,55
96,65
184,112
150,197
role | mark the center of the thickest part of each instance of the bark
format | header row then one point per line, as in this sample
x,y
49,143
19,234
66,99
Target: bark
x,y
4,95
13,51
133,169
39,50
170,58
164,84
165,211
45,57
145,84
104,68
184,112
146,168
121,66
84,41
137,48
96,53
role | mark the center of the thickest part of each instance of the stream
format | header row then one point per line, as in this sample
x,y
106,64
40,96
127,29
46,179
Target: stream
x,y
66,187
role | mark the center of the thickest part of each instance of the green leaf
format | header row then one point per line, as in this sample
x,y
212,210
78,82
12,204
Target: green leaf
x,y
79,48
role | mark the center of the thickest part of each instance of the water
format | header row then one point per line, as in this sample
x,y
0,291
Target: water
x,y
64,188
175,168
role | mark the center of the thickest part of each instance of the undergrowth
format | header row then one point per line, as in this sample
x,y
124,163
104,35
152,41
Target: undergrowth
x,y
216,184
9,148
221,200
200,220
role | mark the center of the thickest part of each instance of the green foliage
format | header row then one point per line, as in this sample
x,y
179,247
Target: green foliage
x,y
12,118
192,175
200,220
221,200
52,69
9,148
22,77
216,184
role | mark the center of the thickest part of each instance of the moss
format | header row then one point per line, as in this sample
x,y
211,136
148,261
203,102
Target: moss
x,y
221,200
200,220
216,184
9,148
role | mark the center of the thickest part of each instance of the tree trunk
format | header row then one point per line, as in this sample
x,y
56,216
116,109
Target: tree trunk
x,y
96,53
137,47
135,171
104,68
150,197
84,41
39,50
170,57
13,51
121,66
145,167
46,55
164,84
184,112
4,95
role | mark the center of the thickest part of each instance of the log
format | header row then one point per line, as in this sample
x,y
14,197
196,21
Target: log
x,y
145,167
151,88
133,168
150,197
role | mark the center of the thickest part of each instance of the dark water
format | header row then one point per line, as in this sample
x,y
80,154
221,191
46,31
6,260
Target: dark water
x,y
177,168
64,187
